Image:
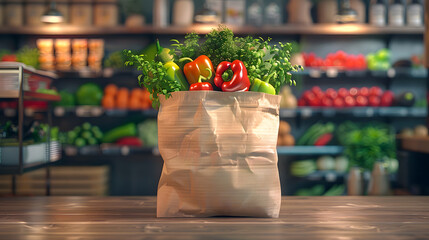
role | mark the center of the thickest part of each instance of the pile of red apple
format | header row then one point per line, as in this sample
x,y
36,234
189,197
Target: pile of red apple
x,y
339,59
353,97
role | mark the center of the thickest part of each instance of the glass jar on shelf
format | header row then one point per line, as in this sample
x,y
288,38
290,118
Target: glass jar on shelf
x,y
34,9
273,14
396,13
1,13
81,12
14,13
106,13
63,6
377,13
415,13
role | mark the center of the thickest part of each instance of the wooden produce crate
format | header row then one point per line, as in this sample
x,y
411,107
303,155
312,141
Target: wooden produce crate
x,y
65,181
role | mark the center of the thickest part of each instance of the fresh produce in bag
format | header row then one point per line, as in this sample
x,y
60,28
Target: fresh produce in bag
x,y
217,131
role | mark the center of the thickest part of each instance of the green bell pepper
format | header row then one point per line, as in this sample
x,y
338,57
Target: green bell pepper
x,y
162,54
175,74
261,86
127,130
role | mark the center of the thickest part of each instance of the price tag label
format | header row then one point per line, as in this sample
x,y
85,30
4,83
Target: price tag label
x,y
391,73
155,151
125,151
10,112
306,112
288,113
332,72
315,73
29,112
89,111
71,151
59,111
331,177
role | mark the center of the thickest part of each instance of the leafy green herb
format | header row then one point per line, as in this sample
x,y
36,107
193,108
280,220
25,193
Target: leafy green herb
x,y
4,52
28,56
189,48
368,144
153,77
115,60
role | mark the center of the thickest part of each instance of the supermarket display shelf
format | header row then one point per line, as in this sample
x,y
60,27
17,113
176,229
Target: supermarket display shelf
x,y
288,29
116,150
92,74
339,73
312,72
327,176
415,144
25,168
306,112
108,150
309,150
28,95
97,111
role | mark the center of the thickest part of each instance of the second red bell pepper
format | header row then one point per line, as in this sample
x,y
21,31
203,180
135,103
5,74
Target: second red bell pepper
x,y
239,82
202,86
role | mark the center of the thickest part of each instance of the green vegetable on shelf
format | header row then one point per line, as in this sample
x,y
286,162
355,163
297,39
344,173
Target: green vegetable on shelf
x,y
89,94
302,168
67,99
28,56
83,135
313,134
115,60
316,190
79,142
336,190
369,143
148,132
126,130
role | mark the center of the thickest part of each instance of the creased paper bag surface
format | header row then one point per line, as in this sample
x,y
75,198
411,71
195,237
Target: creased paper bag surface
x,y
219,152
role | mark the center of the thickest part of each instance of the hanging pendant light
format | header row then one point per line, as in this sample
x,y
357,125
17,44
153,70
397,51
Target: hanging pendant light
x,y
52,15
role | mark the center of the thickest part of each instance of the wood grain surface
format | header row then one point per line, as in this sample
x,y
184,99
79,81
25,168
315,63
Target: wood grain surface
x,y
129,218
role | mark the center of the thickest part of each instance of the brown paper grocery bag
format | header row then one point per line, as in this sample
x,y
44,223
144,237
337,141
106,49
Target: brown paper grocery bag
x,y
219,152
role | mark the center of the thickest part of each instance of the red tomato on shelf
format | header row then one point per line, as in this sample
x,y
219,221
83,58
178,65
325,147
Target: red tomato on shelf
x,y
342,92
361,101
330,92
364,91
375,91
349,101
353,92
374,101
387,99
338,102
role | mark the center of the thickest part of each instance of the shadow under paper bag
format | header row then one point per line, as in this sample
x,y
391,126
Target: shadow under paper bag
x,y
220,156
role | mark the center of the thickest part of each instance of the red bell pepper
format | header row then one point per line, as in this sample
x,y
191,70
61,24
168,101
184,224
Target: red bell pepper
x,y
202,86
239,82
129,141
201,66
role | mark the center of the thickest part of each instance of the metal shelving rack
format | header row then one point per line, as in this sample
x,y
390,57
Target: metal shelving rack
x,y
16,83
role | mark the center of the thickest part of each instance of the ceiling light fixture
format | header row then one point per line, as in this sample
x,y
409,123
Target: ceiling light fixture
x,y
52,15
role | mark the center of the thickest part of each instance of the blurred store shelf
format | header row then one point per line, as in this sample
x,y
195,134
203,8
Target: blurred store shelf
x,y
287,29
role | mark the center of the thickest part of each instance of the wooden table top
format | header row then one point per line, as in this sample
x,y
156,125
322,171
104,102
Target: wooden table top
x,y
129,218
